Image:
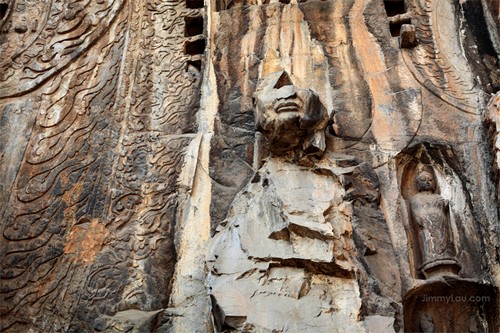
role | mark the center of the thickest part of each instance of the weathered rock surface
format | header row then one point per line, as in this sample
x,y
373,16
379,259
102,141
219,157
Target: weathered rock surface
x,y
141,192
289,238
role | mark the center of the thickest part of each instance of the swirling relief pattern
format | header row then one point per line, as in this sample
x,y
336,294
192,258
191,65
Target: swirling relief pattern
x,y
41,37
438,61
89,225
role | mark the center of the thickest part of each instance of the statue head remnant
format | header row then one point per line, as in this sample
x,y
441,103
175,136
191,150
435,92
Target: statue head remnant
x,y
425,182
291,118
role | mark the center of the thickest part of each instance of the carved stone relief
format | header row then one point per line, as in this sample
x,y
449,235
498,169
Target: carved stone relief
x,y
450,292
442,233
249,166
292,226
292,119
430,219
89,221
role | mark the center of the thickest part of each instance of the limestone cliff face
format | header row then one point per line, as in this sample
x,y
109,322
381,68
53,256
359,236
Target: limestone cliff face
x,y
249,166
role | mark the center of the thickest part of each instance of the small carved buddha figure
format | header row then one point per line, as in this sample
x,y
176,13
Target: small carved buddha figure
x,y
292,119
430,214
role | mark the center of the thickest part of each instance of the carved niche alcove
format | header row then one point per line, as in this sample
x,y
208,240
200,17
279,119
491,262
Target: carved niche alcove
x,y
445,292
447,201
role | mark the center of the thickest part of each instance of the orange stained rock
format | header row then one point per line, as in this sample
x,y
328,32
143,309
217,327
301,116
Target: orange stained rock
x,y
85,241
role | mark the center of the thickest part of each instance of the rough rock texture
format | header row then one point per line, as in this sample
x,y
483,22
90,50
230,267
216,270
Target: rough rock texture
x,y
493,120
289,238
249,166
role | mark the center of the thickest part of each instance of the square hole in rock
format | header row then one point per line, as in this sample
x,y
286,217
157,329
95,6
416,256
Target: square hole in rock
x,y
193,26
195,47
394,7
194,4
